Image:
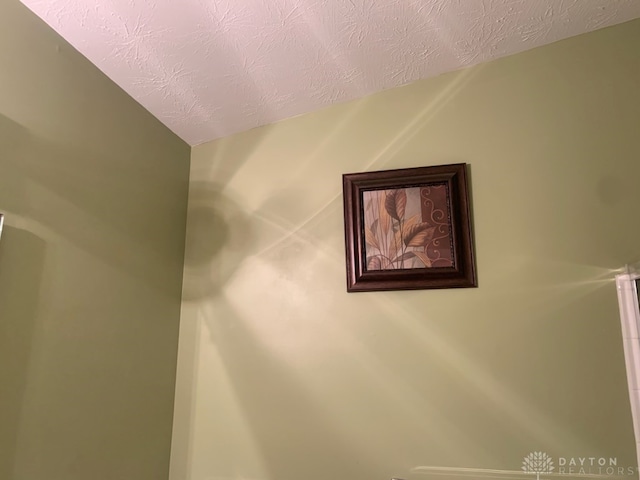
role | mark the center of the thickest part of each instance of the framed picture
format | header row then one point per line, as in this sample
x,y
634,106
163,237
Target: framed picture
x,y
408,229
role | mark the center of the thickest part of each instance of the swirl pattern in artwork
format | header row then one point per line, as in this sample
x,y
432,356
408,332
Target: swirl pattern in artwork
x,y
434,200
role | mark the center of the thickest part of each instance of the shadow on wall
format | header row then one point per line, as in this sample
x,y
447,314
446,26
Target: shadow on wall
x,y
219,233
218,238
21,261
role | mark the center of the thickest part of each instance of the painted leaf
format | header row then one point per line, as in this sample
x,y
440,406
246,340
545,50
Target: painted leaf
x,y
395,246
368,204
371,238
374,226
396,202
404,256
385,219
373,263
409,223
419,235
424,258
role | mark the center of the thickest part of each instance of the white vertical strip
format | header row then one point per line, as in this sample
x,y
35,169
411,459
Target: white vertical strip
x,y
630,318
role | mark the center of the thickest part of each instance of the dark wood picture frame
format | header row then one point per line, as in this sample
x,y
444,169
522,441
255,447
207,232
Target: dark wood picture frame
x,y
408,229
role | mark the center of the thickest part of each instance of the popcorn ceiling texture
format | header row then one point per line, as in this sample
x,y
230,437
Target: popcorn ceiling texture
x,y
211,68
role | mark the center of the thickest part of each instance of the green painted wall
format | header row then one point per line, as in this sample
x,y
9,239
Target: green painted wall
x,y
283,375
94,190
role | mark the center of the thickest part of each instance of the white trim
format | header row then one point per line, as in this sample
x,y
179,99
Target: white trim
x,y
630,319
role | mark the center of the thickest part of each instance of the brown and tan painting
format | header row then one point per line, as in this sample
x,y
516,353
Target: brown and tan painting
x,y
407,228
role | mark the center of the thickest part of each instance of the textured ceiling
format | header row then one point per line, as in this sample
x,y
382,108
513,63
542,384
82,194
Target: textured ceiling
x,y
211,68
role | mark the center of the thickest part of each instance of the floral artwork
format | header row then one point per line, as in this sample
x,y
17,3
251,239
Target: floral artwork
x,y
407,228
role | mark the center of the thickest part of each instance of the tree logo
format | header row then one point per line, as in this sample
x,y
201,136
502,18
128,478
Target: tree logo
x,y
537,462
